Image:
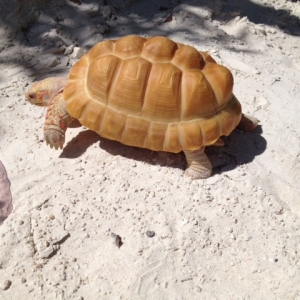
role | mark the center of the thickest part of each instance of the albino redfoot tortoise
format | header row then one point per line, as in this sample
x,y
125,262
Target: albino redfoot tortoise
x,y
145,92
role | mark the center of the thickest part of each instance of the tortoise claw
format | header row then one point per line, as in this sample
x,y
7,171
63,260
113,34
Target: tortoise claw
x,y
55,138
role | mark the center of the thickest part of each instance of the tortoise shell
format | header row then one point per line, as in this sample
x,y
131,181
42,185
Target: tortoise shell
x,y
152,93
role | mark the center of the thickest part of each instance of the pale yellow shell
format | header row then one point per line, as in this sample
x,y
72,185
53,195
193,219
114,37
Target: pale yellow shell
x,y
152,93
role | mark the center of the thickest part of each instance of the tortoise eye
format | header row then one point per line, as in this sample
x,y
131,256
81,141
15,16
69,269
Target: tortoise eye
x,y
31,95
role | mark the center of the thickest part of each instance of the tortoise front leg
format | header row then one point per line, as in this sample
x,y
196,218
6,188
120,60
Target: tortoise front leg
x,y
199,166
57,121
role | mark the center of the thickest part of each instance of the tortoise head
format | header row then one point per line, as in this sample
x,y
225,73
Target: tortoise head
x,y
42,92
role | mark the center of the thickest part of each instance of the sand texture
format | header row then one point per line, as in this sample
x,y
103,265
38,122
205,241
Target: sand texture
x,y
100,220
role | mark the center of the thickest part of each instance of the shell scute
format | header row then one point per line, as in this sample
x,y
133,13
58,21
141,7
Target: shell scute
x,y
76,98
159,49
136,130
99,77
194,84
129,46
129,87
207,57
112,124
187,57
172,141
230,116
100,49
221,81
163,98
190,135
77,104
211,128
156,135
79,69
92,115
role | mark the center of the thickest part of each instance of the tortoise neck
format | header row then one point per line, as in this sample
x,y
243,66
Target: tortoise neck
x,y
60,84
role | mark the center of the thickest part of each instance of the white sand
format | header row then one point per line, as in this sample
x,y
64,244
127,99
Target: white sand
x,y
232,236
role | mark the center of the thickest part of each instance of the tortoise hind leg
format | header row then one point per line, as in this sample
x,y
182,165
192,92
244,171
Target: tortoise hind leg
x,y
57,122
247,123
199,166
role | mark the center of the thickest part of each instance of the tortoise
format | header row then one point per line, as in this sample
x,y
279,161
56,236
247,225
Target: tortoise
x,y
146,92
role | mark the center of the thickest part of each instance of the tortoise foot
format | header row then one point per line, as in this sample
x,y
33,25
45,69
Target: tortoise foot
x,y
54,137
199,166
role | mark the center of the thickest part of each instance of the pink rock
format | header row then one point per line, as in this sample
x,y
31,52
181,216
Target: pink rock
x,y
5,195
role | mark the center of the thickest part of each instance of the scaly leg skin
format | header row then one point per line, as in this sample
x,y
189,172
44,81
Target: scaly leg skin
x,y
199,166
57,121
247,123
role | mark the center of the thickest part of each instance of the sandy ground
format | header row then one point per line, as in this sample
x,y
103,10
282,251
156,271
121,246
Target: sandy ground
x,y
232,236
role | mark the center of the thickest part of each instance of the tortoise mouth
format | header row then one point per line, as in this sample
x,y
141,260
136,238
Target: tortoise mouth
x,y
34,102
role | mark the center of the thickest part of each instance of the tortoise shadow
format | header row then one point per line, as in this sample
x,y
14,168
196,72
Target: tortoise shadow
x,y
78,145
240,148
